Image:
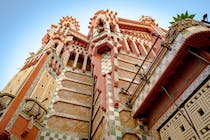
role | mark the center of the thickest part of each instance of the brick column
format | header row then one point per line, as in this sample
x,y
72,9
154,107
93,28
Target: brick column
x,y
75,60
59,48
112,119
84,63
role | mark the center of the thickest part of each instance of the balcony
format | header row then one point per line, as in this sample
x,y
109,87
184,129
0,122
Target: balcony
x,y
34,108
5,100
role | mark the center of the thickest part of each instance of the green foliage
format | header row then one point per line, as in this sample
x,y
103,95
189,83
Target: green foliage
x,y
182,16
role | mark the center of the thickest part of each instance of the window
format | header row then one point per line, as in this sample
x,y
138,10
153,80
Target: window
x,y
200,112
112,27
56,45
80,61
182,128
88,64
100,26
71,60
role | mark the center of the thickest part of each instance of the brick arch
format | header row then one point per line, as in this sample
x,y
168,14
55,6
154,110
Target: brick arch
x,y
106,46
98,21
200,40
94,19
130,136
196,40
99,12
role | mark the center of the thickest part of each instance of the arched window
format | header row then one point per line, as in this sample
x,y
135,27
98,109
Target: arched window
x,y
80,61
112,28
100,26
61,53
56,45
71,60
88,67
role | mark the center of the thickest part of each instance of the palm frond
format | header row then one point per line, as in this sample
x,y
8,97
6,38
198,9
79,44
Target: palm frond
x,y
182,16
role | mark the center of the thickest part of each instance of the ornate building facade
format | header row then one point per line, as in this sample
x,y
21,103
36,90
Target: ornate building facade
x,y
125,80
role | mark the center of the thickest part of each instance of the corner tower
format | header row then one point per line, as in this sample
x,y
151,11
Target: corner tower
x,y
116,46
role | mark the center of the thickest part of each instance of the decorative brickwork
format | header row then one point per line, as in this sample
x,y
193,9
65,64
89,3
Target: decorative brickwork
x,y
180,26
197,109
107,85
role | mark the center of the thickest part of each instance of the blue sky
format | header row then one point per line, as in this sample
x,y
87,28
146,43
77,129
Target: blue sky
x,y
23,23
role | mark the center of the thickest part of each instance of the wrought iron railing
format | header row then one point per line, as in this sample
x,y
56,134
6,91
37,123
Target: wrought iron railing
x,y
143,75
34,108
5,100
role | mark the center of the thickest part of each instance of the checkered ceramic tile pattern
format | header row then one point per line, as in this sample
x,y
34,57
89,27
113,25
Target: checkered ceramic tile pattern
x,y
113,128
50,135
66,57
112,114
106,63
46,133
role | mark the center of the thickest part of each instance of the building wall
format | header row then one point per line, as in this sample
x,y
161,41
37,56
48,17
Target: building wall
x,y
17,81
197,107
98,117
179,81
14,109
70,112
173,122
44,89
111,50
